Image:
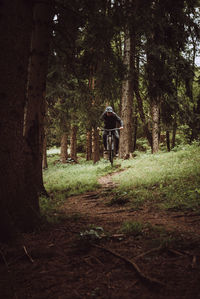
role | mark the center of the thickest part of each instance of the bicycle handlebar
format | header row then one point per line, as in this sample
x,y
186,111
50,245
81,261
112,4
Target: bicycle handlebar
x,y
109,129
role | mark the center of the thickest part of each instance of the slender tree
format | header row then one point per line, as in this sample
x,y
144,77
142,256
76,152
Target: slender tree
x,y
89,145
127,101
73,142
64,148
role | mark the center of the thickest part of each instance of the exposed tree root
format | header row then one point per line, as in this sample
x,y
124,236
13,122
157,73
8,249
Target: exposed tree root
x,y
148,252
142,276
28,255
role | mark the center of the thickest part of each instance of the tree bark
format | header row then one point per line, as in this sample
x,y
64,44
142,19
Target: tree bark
x,y
155,126
95,145
64,148
168,140
73,143
135,127
174,133
44,159
127,103
139,98
95,132
19,207
35,109
89,145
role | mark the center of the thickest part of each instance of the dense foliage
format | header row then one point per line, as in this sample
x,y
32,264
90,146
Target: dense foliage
x,y
86,63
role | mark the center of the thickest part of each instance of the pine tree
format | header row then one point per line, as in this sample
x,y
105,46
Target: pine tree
x,y
19,207
35,109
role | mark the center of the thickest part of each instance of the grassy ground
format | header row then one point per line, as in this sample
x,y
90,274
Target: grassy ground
x,y
72,179
64,180
169,180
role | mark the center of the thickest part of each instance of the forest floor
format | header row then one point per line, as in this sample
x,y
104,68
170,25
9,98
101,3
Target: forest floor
x,y
88,255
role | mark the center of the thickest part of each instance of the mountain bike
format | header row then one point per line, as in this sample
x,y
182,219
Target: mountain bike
x,y
110,144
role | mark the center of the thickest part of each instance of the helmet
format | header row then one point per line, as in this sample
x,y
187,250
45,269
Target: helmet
x,y
109,109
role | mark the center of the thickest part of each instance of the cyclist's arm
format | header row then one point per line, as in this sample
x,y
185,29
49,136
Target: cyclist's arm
x,y
120,121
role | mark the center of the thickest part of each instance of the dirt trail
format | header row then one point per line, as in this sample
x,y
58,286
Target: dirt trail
x,y
60,262
95,204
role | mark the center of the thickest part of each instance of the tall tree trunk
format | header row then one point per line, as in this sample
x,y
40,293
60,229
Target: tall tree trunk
x,y
127,102
35,110
155,126
89,124
168,140
19,207
89,145
135,127
73,143
95,145
64,148
174,128
139,98
95,132
44,158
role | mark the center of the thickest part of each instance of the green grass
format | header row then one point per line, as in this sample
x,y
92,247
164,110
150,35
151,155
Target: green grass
x,y
73,179
169,180
132,228
64,180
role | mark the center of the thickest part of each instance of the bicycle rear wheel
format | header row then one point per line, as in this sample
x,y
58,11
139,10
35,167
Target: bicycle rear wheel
x,y
110,150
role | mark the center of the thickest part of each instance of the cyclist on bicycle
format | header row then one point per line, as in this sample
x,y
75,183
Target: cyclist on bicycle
x,y
111,120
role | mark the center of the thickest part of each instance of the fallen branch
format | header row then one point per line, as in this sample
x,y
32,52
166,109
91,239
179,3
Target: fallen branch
x,y
176,252
148,252
178,215
112,212
186,215
30,258
134,265
4,259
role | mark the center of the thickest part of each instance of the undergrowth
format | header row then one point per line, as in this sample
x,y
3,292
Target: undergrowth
x,y
64,180
169,181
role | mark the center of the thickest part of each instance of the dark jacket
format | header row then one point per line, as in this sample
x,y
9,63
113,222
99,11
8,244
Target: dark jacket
x,y
110,122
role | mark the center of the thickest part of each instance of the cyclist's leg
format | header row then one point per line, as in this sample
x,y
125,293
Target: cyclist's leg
x,y
110,149
116,135
105,140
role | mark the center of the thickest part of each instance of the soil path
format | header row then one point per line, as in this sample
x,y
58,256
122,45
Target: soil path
x,y
75,259
96,204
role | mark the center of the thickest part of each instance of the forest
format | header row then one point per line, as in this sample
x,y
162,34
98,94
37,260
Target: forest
x,y
63,62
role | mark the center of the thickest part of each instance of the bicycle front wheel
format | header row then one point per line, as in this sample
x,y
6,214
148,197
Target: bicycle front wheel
x,y
111,152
